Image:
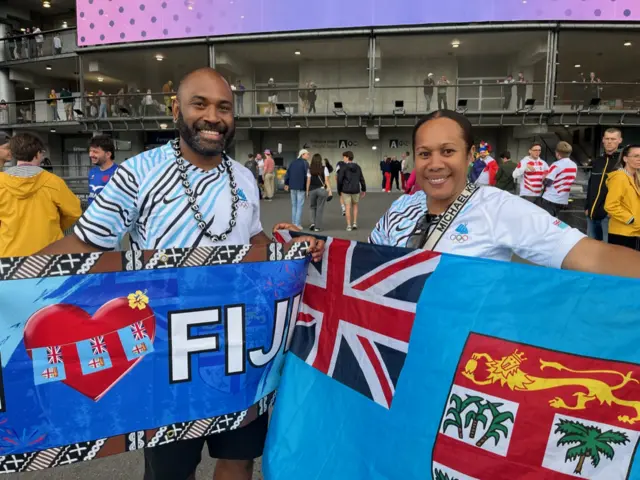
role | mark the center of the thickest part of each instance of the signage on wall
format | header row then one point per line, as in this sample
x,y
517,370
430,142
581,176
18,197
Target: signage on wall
x,y
395,143
340,144
120,21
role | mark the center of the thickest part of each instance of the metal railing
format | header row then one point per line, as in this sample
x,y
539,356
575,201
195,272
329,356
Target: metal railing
x,y
31,46
578,95
348,100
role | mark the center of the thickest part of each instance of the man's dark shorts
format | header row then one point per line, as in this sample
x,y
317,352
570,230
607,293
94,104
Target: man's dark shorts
x,y
179,460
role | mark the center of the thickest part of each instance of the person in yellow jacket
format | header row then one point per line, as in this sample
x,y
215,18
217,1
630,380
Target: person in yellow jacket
x,y
35,206
623,200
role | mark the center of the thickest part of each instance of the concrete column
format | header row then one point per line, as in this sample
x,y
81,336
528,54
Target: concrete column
x,y
7,90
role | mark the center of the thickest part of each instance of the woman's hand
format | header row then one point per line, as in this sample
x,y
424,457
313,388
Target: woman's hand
x,y
316,246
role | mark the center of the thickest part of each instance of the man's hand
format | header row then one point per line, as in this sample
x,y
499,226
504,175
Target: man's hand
x,y
316,247
586,212
286,188
363,194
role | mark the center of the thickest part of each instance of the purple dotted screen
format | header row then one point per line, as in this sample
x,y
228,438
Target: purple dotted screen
x,y
116,21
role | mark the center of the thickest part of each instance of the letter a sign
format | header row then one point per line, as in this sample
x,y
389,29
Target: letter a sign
x,y
393,143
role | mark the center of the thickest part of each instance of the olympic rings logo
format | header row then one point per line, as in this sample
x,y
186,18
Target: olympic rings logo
x,y
458,238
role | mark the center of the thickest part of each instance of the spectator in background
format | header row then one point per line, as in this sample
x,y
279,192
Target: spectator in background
x,y
429,83
53,105
102,153
260,163
521,91
57,44
558,181
4,112
443,83
326,163
39,40
238,92
340,165
269,176
67,101
532,169
351,186
295,181
595,88
507,92
312,96
396,168
318,191
167,89
25,43
46,165
504,176
487,176
147,103
102,113
252,166
272,96
623,199
386,172
303,93
405,168
5,149
597,219
36,207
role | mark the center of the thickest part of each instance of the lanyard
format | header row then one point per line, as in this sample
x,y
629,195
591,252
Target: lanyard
x,y
447,218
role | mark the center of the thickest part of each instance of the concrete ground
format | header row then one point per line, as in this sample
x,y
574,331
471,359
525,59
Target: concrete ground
x,y
130,466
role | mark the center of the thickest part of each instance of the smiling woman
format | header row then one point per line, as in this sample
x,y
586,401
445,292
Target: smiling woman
x,y
450,216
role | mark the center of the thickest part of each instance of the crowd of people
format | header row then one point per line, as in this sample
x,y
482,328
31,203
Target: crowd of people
x,y
455,207
30,43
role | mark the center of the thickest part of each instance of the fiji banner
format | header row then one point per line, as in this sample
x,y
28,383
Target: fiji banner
x,y
412,365
105,353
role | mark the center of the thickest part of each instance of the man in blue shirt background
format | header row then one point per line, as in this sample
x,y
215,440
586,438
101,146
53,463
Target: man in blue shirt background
x,y
295,181
102,153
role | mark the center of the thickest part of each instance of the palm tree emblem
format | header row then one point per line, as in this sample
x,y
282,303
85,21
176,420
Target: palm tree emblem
x,y
440,475
474,417
496,427
591,442
456,410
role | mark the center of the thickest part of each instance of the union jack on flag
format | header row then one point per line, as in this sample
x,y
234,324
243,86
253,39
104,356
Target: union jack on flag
x,y
138,330
54,355
98,345
357,313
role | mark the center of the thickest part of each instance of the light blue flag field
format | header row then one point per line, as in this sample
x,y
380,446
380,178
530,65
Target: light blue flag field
x,y
414,365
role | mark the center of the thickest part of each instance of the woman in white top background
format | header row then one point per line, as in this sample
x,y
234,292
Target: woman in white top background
x,y
318,191
491,223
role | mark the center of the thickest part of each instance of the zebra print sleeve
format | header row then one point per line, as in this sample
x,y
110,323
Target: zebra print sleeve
x,y
112,213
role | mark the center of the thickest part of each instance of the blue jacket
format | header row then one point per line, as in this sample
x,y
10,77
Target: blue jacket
x,y
296,176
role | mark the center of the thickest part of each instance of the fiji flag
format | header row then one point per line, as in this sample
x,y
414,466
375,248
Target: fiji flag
x,y
94,356
536,377
135,341
48,365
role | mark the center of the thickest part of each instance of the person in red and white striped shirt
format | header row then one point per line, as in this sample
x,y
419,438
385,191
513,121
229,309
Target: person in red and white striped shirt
x,y
533,170
558,181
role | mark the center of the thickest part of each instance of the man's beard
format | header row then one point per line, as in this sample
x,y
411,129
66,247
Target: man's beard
x,y
191,136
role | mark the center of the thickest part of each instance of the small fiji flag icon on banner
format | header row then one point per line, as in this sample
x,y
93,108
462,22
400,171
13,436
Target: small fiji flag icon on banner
x,y
94,355
135,341
48,365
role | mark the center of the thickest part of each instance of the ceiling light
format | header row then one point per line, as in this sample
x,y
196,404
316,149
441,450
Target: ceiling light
x,y
374,148
627,44
23,30
377,79
46,4
159,57
297,125
26,88
64,25
455,43
163,126
53,130
577,65
101,79
297,52
48,67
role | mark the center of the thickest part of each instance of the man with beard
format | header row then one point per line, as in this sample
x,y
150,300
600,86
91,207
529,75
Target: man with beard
x,y
102,153
187,193
5,150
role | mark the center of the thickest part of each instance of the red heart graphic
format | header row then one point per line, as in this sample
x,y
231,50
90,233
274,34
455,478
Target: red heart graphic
x,y
63,325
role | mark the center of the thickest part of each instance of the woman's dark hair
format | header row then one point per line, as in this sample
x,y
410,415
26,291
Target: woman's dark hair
x,y
328,165
461,120
105,143
316,167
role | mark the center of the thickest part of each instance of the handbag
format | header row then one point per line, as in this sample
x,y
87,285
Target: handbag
x,y
330,194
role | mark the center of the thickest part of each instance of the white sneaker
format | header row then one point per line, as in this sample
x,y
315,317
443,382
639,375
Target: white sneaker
x,y
348,229
354,226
